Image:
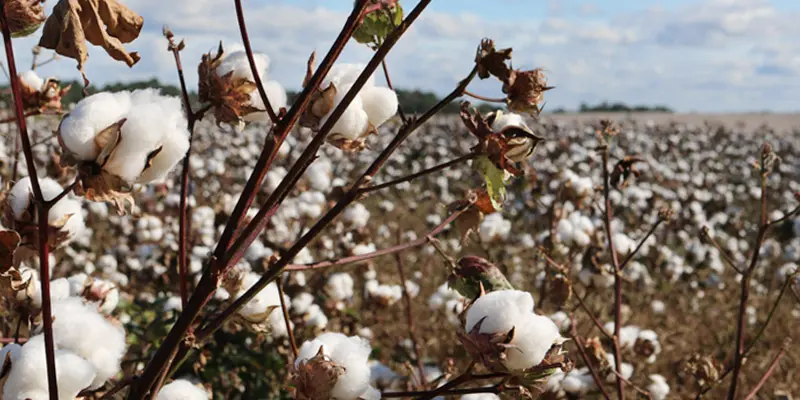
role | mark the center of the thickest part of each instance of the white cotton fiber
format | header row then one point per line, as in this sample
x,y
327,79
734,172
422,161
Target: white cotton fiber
x,y
380,103
80,328
181,389
31,79
90,116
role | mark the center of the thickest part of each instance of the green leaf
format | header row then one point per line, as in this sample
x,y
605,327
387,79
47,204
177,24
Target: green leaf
x,y
377,25
494,178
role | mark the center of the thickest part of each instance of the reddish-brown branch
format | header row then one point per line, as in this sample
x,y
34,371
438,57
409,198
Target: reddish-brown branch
x,y
41,206
209,281
448,164
286,320
412,332
382,252
641,243
767,374
592,370
608,217
251,59
738,356
483,98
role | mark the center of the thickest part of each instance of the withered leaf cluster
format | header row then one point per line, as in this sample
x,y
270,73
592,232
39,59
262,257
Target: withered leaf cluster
x,y
314,379
105,23
624,170
45,98
524,89
229,96
24,16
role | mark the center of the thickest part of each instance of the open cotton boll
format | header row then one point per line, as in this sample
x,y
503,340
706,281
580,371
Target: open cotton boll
x,y
353,122
578,381
260,307
28,376
380,104
508,120
31,79
80,328
90,116
21,194
348,352
658,387
12,349
67,210
501,311
276,95
356,216
152,123
339,286
181,389
494,227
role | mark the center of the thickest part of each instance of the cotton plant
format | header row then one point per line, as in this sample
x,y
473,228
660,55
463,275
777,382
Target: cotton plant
x,y
226,82
333,366
504,333
117,140
65,218
371,107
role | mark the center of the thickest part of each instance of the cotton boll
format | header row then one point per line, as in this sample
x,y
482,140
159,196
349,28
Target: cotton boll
x,y
494,227
501,311
28,376
353,122
578,381
238,63
344,74
181,389
260,307
78,327
11,350
339,286
276,95
380,103
350,353
356,216
658,387
90,116
31,79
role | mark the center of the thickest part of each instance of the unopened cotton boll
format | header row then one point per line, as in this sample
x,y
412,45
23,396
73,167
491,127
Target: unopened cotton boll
x,y
181,389
79,327
28,376
502,311
351,353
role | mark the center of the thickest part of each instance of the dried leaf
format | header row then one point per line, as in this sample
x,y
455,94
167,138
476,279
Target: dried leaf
x,y
494,178
9,242
24,17
492,62
105,23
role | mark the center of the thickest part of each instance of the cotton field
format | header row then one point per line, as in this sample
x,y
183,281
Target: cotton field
x,y
235,246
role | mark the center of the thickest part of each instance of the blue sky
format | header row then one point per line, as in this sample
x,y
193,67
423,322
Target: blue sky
x,y
691,55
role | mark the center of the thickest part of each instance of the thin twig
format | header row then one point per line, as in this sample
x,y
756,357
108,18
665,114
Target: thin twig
x,y
372,188
251,59
483,98
641,243
592,370
410,319
767,374
286,319
608,216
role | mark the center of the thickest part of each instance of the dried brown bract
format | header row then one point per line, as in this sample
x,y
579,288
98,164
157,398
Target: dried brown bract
x,y
525,90
105,23
314,379
229,96
487,348
623,170
9,242
492,62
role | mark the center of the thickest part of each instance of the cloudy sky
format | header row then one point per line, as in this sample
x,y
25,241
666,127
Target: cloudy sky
x,y
692,55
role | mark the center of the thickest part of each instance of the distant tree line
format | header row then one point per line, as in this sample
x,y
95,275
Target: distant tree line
x,y
615,107
412,101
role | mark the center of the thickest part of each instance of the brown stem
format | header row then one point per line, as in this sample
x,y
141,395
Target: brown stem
x,y
183,229
496,389
382,252
483,98
42,210
251,59
412,333
368,189
608,216
763,225
592,370
593,318
767,374
286,319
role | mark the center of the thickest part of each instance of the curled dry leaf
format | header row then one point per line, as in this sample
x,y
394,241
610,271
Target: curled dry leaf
x,y
525,90
624,169
105,23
